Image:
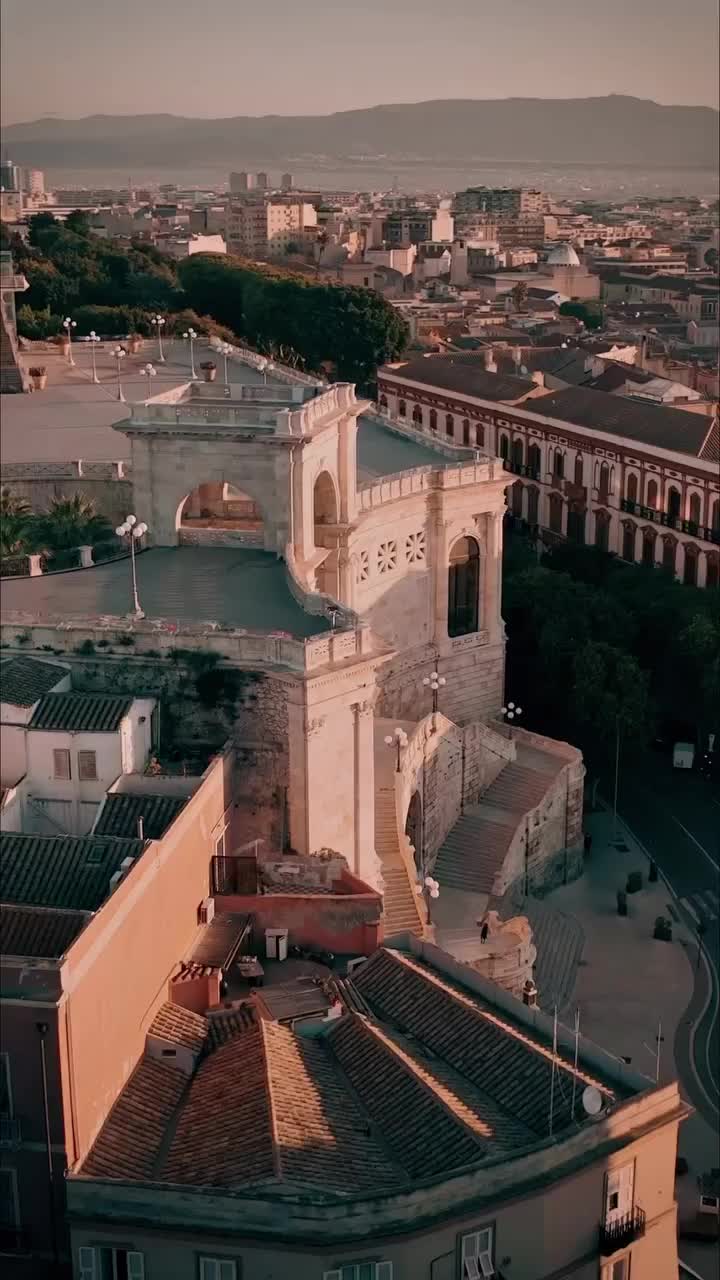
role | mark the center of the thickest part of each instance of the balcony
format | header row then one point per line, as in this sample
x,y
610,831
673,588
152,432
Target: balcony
x,y
10,1133
519,469
704,532
622,1232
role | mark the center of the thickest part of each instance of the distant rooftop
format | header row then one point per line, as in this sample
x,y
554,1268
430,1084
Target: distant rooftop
x,y
655,425
122,811
465,374
24,681
70,872
81,712
41,933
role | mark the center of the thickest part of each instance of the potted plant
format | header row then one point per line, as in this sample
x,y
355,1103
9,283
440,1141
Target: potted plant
x,y
209,369
38,377
134,343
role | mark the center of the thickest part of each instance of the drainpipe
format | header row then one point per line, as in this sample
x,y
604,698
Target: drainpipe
x,y
42,1029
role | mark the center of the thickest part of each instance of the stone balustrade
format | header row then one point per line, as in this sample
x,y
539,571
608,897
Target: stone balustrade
x,y
422,479
76,469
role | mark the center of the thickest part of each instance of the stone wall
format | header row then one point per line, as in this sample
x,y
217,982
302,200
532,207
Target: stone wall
x,y
474,673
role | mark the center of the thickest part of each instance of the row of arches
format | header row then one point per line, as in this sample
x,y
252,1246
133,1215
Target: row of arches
x,y
467,432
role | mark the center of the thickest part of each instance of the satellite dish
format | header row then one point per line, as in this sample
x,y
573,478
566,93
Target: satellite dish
x,y
592,1100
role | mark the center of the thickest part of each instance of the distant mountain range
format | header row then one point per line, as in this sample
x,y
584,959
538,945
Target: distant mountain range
x,y
613,130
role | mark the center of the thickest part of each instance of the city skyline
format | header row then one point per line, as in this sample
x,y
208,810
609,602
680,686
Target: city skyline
x,y
386,59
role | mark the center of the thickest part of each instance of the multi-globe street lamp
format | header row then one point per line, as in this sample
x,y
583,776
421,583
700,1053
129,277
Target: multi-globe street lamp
x,y
434,683
225,350
191,335
157,323
68,326
398,741
150,372
119,354
93,339
133,531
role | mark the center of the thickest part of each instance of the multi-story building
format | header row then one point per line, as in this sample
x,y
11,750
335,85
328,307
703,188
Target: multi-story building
x,y
501,200
411,226
9,176
241,182
33,182
268,229
633,478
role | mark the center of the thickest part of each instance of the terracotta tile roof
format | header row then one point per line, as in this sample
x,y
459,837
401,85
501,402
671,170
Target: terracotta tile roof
x,y
41,932
495,1055
465,374
226,1025
121,811
179,1026
24,681
61,871
130,1141
650,424
81,712
299,998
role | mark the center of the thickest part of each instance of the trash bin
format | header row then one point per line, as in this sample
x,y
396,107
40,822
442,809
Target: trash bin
x,y
276,944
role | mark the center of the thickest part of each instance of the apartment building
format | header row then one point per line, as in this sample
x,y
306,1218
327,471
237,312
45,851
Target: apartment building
x,y
268,229
501,200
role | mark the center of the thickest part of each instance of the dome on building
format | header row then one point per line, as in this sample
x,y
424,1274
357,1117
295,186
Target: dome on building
x,y
563,256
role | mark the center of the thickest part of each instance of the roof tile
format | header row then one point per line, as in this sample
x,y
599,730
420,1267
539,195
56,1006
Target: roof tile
x,y
81,712
61,871
24,681
41,932
121,811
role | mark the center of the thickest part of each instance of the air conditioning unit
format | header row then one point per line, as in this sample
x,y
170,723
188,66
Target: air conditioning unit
x,y
206,911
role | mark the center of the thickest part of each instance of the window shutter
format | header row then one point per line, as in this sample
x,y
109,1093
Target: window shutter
x,y
136,1266
384,1271
470,1246
86,1263
486,1264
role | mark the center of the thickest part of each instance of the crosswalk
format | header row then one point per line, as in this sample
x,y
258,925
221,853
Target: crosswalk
x,y
702,907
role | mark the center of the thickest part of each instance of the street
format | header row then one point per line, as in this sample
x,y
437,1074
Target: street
x,y
675,815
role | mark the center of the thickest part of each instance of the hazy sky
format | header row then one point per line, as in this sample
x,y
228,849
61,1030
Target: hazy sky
x,y
253,57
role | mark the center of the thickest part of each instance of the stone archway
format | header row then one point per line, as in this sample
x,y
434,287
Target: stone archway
x,y
325,517
218,513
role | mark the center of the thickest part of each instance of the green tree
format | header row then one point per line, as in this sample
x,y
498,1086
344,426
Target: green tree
x,y
15,524
39,223
71,522
78,221
609,695
519,295
591,313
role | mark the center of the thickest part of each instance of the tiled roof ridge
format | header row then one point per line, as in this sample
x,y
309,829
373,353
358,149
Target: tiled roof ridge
x,y
262,1028
440,1092
45,910
505,1026
186,1019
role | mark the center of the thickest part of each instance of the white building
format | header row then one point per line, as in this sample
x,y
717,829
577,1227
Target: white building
x,y
268,229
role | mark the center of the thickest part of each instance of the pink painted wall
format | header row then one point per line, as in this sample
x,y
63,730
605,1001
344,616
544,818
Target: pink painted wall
x,y
346,923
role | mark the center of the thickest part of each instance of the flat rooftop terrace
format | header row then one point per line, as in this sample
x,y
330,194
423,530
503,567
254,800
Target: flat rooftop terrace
x,y
246,589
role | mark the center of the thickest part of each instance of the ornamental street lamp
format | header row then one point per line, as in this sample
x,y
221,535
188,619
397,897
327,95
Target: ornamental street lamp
x,y
397,740
157,323
435,683
133,532
191,335
68,326
225,350
150,372
429,889
119,354
511,711
93,340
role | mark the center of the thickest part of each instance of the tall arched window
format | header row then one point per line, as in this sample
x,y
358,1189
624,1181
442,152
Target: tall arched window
x,y
632,487
533,497
694,508
556,513
628,541
433,420
449,424
578,468
712,575
652,494
504,447
648,546
516,497
463,587
402,409
466,431
559,464
604,483
673,503
602,530
534,458
576,523
479,435
691,565
417,415
383,402
669,554
518,451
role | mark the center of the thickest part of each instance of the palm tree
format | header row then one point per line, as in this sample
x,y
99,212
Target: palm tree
x,y
15,521
519,294
72,522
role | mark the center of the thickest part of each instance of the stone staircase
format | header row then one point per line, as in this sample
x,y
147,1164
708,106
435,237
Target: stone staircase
x,y
475,849
401,913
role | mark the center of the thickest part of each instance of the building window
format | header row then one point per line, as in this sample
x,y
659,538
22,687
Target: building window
x,y
87,766
556,513
534,457
516,497
669,553
619,1188
518,452
449,425
604,483
715,516
361,1271
476,1252
363,566
402,408
713,571
559,464
532,511
105,1263
504,447
691,566
415,547
578,468
417,415
217,1269
383,402
433,420
220,844
694,509
466,431
617,1270
648,547
652,494
673,503
387,557
61,764
632,487
628,543
480,435
576,524
463,587
602,531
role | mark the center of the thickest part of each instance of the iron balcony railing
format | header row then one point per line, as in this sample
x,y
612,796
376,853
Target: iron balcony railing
x,y
520,469
668,521
622,1231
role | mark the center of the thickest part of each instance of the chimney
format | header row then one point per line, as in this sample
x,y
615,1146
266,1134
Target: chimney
x,y
643,351
141,828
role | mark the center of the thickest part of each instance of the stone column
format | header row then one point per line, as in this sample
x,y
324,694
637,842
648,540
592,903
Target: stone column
x,y
491,589
86,557
365,860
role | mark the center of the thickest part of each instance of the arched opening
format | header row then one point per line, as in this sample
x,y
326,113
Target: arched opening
x,y
559,464
463,587
576,523
217,512
652,494
632,487
466,431
325,515
413,828
669,554
449,425
383,402
694,508
673,503
715,516
533,497
516,498
402,409
604,482
648,547
480,435
628,541
578,468
602,530
534,460
433,420
556,513
417,415
518,451
691,565
712,575
504,447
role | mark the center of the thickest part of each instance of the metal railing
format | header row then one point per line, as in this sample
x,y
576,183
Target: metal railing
x,y
669,521
622,1231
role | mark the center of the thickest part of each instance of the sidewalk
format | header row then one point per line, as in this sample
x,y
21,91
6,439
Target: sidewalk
x,y
626,984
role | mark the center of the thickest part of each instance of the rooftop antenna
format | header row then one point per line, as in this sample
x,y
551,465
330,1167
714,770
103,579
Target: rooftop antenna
x,y
554,1068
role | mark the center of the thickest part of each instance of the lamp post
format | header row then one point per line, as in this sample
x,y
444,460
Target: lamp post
x,y
93,340
434,683
397,740
157,323
191,335
225,350
150,372
133,532
511,712
429,889
68,326
119,354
